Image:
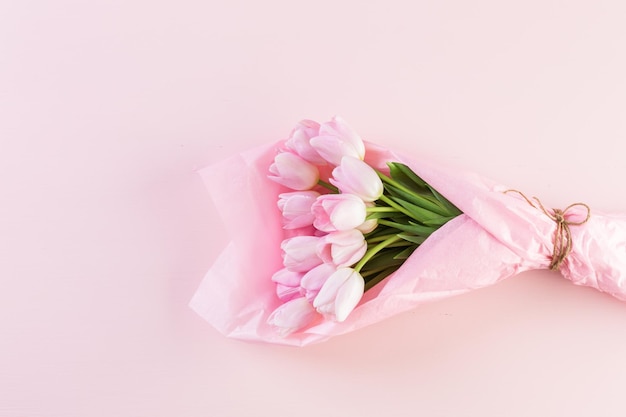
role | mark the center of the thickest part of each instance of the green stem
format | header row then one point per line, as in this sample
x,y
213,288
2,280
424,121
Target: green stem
x,y
371,252
402,244
393,182
328,186
381,210
388,223
380,238
397,206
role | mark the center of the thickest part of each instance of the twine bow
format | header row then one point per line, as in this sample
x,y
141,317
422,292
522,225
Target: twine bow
x,y
562,234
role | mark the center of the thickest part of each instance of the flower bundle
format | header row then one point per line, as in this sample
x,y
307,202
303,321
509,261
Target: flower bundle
x,y
362,233
347,232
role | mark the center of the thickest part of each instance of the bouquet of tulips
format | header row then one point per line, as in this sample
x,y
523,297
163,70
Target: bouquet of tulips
x,y
347,232
330,233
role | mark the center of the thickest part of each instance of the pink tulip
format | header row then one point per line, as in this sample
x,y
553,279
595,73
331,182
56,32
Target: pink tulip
x,y
336,139
300,253
340,294
287,277
302,231
369,225
313,280
354,176
296,208
343,248
292,315
299,141
288,284
287,293
293,172
334,212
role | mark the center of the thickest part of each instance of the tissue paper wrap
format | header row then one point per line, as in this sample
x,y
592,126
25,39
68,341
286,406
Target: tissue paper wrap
x,y
498,235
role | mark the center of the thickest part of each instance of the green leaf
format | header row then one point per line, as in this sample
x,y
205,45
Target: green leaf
x,y
438,222
404,254
399,179
419,200
408,173
413,238
450,208
412,228
384,258
419,213
381,230
378,277
385,215
399,170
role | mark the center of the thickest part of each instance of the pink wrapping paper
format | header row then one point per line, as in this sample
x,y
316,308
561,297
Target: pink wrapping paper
x,y
498,236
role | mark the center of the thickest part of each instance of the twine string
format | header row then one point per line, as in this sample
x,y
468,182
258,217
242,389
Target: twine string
x,y
562,235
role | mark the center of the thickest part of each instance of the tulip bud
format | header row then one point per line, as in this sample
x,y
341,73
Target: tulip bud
x,y
354,176
287,277
343,248
313,280
300,253
296,208
334,212
340,294
299,141
369,225
336,139
292,315
293,172
287,293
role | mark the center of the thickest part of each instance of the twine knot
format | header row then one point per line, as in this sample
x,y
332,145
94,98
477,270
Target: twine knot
x,y
558,215
562,234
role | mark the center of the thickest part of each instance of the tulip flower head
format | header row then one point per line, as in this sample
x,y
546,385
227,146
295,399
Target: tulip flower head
x,y
333,212
296,208
293,172
313,280
340,294
354,176
287,277
299,141
336,139
342,248
287,293
292,315
300,253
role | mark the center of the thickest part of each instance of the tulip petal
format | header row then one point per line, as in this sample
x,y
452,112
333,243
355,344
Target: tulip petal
x,y
316,277
349,214
299,141
293,172
292,315
300,253
349,296
342,248
332,148
287,277
296,208
354,176
287,293
329,290
337,126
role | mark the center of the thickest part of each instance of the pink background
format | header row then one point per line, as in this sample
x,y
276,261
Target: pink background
x,y
107,108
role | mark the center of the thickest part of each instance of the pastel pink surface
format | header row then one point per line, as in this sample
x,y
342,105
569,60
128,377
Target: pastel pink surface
x,y
108,109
